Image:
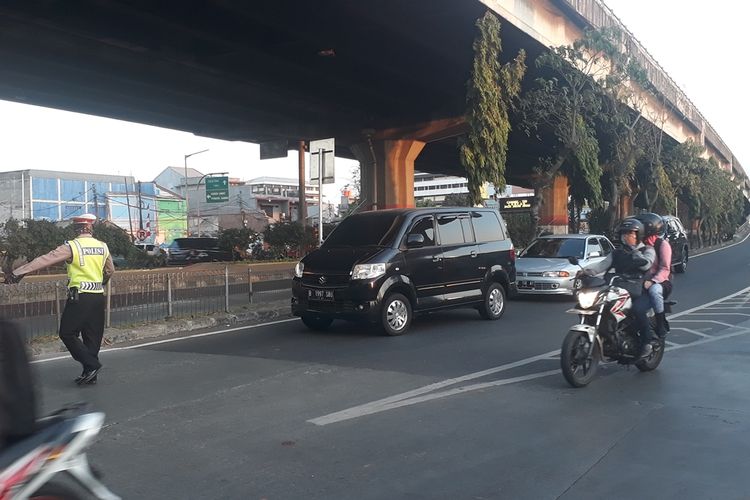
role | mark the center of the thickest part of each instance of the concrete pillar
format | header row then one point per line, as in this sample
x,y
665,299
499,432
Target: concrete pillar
x,y
553,213
387,172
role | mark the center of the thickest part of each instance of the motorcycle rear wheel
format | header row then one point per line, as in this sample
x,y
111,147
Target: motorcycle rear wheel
x,y
577,366
652,362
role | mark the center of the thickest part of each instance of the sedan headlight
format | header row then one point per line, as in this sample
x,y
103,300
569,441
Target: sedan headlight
x,y
556,274
587,299
299,269
368,271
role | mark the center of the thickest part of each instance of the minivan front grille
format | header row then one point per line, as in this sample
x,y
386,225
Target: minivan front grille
x,y
319,280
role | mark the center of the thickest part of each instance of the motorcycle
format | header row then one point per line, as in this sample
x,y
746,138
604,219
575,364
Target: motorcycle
x,y
51,462
606,330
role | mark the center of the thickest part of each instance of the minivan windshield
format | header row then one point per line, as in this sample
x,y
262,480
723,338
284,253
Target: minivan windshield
x,y
555,248
195,243
366,229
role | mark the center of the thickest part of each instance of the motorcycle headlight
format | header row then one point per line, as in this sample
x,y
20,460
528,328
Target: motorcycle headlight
x,y
299,269
367,271
587,299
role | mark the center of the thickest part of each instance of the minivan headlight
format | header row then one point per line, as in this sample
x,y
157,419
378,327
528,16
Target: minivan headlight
x,y
367,271
299,269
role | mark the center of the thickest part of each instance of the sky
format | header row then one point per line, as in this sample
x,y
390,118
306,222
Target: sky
x,y
703,47
34,137
700,44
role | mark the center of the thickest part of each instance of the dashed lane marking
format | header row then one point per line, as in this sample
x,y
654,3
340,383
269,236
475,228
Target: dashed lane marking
x,y
694,332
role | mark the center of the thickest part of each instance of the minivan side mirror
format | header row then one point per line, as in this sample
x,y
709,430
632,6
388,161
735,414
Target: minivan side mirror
x,y
415,240
573,260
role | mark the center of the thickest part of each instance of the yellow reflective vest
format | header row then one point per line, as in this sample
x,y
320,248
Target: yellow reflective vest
x,y
86,270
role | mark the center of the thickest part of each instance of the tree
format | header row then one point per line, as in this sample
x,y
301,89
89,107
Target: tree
x,y
27,240
237,241
561,110
285,238
490,95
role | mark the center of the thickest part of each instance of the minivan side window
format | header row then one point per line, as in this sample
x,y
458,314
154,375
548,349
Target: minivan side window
x,y
450,230
486,227
467,230
426,227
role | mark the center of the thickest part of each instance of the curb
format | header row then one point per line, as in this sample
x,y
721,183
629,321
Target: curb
x,y
172,327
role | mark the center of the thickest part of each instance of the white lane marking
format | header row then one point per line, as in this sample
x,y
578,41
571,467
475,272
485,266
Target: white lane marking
x,y
671,344
420,394
728,325
175,339
744,331
369,410
721,314
694,332
371,407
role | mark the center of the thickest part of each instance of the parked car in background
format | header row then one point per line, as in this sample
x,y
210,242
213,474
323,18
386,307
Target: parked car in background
x,y
383,266
543,267
675,234
184,251
148,248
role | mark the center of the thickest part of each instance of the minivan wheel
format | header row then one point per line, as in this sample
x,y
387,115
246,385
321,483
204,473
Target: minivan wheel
x,y
315,322
396,315
493,305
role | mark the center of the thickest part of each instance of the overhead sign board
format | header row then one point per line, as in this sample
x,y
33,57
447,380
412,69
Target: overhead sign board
x,y
274,149
217,189
324,150
515,204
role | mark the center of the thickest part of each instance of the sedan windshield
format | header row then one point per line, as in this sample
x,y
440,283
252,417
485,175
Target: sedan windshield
x,y
555,248
367,229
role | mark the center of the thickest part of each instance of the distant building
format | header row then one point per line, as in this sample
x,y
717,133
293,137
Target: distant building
x,y
435,187
136,207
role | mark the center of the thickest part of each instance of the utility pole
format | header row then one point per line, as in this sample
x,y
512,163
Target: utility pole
x,y
127,202
96,201
302,208
140,207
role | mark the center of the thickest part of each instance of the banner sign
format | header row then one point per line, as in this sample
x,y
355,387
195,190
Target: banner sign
x,y
516,204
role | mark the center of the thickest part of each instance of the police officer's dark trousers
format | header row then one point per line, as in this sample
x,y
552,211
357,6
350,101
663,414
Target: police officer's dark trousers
x,y
84,317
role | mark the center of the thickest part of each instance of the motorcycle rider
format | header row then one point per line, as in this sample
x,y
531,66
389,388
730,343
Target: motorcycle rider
x,y
631,261
658,278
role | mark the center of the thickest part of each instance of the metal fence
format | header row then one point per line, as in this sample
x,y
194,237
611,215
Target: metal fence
x,y
147,297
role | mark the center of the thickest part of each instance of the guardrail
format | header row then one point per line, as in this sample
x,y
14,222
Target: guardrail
x,y
147,297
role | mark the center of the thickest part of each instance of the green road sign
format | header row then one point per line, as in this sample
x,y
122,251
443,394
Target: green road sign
x,y
217,189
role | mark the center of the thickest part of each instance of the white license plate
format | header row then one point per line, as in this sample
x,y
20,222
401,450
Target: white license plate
x,y
315,294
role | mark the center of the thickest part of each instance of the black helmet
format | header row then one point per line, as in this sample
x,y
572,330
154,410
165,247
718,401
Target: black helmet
x,y
631,224
652,223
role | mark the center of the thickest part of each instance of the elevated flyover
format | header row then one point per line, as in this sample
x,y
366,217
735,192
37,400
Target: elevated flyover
x,y
386,78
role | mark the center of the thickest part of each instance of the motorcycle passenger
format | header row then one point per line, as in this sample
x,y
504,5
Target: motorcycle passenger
x,y
658,278
631,261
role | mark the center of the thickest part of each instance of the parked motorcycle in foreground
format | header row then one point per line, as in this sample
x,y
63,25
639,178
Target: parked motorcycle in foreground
x,y
51,463
606,330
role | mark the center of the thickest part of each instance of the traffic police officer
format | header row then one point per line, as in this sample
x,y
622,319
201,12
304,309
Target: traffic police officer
x,y
89,267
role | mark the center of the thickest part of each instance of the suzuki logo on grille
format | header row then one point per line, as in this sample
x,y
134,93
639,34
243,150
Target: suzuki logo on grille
x,y
322,280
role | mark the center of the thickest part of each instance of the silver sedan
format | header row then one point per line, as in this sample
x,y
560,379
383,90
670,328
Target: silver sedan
x,y
543,268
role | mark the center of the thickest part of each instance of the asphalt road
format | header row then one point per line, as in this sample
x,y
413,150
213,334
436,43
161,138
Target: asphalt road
x,y
459,408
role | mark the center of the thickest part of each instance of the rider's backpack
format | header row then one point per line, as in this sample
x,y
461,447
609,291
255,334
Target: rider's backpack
x,y
17,405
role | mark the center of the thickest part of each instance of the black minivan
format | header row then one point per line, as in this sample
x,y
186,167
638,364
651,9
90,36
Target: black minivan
x,y
383,266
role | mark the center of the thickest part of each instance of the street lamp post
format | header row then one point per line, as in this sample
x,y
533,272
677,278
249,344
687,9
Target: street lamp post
x,y
187,200
199,201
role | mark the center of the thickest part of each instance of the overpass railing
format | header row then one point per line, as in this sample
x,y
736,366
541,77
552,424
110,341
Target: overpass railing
x,y
134,299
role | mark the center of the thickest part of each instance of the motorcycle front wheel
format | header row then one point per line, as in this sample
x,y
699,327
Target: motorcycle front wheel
x,y
652,362
578,366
